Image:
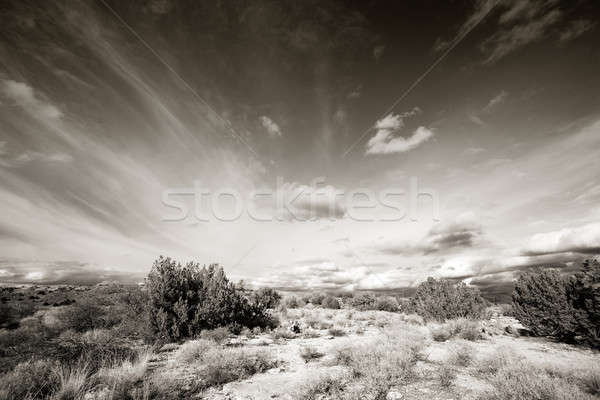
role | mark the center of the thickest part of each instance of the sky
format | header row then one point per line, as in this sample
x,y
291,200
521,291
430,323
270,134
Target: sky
x,y
358,145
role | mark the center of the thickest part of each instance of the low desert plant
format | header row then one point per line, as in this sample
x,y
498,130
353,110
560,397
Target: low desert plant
x,y
522,381
378,365
282,333
460,328
73,382
499,359
217,335
363,302
446,375
337,332
324,386
310,353
331,302
461,354
440,333
30,379
221,366
193,350
387,303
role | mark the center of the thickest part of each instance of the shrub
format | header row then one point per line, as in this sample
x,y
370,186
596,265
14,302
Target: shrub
x,y
442,299
187,300
84,316
378,366
217,335
500,359
387,303
567,308
464,328
541,304
522,381
440,333
316,298
193,350
309,353
265,298
325,386
336,332
31,379
446,375
291,302
331,302
583,290
461,354
221,366
94,348
364,302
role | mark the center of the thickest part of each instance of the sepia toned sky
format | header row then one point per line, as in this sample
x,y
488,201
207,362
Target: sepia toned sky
x,y
493,106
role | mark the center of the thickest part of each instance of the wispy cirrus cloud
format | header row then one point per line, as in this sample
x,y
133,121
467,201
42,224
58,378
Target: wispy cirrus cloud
x,y
25,97
519,23
496,101
576,29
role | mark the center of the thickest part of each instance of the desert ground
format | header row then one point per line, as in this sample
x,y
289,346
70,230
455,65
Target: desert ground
x,y
313,353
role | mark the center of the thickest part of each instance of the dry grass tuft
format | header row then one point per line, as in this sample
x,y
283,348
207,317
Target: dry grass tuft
x,y
309,353
446,376
325,386
193,350
461,354
337,332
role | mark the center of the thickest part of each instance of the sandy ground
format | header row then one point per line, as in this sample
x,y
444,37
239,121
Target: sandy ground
x,y
282,382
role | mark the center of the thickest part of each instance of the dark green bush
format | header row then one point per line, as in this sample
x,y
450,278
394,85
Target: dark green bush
x,y
183,301
564,307
441,299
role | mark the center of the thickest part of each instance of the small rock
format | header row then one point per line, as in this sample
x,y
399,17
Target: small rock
x,y
394,395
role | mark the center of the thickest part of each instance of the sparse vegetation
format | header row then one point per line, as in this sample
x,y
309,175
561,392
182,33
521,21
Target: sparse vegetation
x,y
446,376
309,353
331,302
64,353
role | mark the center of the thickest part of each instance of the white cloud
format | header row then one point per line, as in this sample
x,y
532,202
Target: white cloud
x,y
384,141
496,101
583,239
473,150
24,96
270,125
